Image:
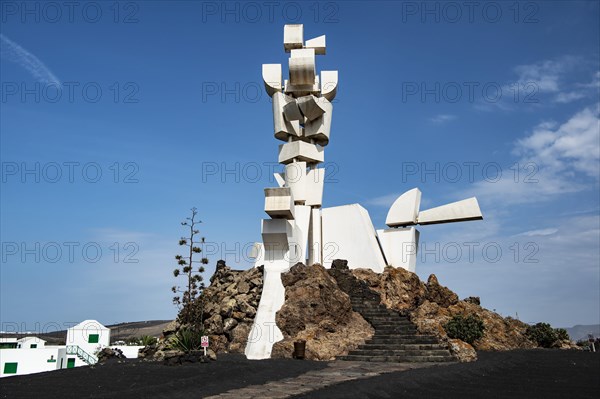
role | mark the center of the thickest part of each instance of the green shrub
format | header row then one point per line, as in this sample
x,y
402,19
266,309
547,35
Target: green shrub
x,y
187,339
562,334
466,329
543,334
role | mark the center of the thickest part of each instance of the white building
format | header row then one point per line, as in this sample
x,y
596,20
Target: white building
x,y
31,354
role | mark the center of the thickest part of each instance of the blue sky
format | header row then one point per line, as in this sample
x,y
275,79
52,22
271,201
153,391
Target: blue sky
x,y
117,119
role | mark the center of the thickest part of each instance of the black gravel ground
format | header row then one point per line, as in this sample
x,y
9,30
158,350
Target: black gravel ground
x,y
138,379
514,374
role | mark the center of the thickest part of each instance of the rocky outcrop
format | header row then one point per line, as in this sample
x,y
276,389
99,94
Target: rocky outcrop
x,y
148,351
398,288
473,299
439,294
430,306
109,353
499,333
230,304
316,310
462,351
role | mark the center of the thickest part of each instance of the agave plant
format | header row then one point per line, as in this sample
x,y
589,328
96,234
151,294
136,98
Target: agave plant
x,y
148,340
187,339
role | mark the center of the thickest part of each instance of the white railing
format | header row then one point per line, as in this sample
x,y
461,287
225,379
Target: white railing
x,y
83,355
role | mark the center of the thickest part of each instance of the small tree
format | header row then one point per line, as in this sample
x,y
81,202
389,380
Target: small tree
x,y
185,267
544,335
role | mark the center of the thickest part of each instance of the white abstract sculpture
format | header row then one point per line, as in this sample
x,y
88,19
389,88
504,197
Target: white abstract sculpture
x,y
400,242
302,119
299,230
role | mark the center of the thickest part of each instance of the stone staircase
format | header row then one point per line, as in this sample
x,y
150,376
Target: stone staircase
x,y
395,339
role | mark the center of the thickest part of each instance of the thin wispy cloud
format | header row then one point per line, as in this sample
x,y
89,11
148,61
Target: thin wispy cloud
x,y
554,158
12,52
442,118
561,80
547,75
570,147
538,233
555,78
384,200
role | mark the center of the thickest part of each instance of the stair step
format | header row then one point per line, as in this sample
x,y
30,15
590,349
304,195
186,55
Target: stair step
x,y
374,310
399,352
399,359
368,346
387,325
402,337
396,338
377,314
402,341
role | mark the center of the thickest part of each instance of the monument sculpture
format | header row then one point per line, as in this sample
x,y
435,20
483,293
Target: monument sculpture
x,y
299,229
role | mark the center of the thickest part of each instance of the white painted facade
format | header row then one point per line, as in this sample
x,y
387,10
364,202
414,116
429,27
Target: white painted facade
x,y
31,343
32,355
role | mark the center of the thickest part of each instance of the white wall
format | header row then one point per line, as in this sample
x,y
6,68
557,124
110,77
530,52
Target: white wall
x,y
30,360
26,342
130,352
348,233
79,335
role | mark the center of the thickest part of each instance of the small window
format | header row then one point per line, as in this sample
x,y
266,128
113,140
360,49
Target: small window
x,y
93,339
33,346
10,368
70,362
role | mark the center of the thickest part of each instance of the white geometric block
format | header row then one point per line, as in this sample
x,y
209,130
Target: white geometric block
x,y
318,43
311,106
276,234
282,127
279,203
400,246
459,211
314,238
298,242
291,111
405,209
295,179
264,332
293,37
303,53
302,67
271,74
279,179
329,83
348,233
320,128
315,179
302,90
301,151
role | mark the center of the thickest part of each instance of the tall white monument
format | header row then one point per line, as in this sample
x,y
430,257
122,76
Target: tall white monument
x,y
298,229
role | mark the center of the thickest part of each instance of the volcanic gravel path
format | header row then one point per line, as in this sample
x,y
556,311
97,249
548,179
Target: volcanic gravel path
x,y
513,374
